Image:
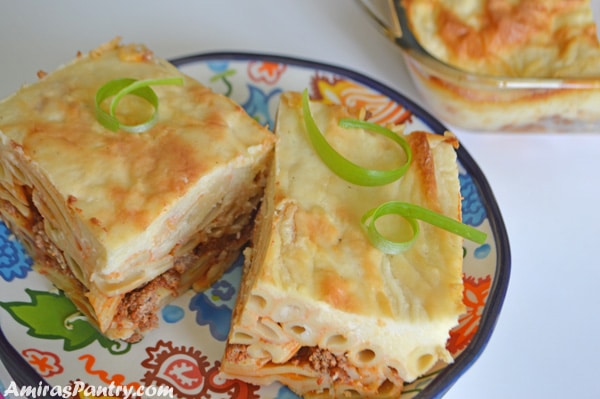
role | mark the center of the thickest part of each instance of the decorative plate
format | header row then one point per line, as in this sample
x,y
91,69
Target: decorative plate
x,y
185,351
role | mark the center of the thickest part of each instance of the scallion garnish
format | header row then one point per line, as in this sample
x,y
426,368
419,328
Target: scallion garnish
x,y
372,177
411,213
344,168
119,88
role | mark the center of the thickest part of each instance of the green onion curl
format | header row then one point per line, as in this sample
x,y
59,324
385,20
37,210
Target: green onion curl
x,y
411,213
372,177
119,88
344,168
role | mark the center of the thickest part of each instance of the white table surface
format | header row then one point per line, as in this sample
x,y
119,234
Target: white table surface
x,y
547,340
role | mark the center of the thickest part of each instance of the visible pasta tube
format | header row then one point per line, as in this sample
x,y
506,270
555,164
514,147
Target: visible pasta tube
x,y
328,303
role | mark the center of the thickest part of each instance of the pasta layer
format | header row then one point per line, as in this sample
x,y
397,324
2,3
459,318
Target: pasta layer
x,y
115,211
318,300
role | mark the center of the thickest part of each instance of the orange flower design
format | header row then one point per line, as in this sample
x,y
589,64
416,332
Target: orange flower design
x,y
475,294
382,110
267,72
46,363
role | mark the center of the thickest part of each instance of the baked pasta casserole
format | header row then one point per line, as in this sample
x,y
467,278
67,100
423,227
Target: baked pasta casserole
x,y
320,308
124,222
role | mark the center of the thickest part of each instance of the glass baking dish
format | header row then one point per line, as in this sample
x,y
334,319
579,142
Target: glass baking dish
x,y
489,103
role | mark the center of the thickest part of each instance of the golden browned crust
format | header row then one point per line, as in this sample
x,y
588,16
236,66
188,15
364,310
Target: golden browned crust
x,y
505,53
320,308
111,212
524,38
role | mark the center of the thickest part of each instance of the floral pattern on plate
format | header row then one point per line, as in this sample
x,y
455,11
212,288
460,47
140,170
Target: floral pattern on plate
x,y
184,352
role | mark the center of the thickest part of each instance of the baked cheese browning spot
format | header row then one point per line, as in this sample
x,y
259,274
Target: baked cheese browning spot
x,y
106,213
524,38
139,173
335,315
426,170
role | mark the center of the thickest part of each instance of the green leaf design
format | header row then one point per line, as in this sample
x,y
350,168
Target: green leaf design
x,y
224,77
53,316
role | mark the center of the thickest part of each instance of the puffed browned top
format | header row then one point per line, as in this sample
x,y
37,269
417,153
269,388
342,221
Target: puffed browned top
x,y
127,190
325,254
514,38
315,279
